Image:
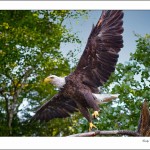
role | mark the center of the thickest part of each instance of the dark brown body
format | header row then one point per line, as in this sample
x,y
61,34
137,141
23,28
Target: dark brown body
x,y
74,86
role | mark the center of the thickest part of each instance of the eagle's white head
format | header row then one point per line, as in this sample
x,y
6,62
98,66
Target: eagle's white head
x,y
55,80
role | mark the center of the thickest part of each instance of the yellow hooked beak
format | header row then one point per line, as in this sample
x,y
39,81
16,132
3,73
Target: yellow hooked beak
x,y
47,80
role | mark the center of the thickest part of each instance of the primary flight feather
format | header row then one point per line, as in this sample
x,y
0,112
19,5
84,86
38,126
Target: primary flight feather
x,y
79,90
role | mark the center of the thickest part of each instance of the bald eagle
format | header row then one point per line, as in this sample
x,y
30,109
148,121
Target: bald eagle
x,y
79,90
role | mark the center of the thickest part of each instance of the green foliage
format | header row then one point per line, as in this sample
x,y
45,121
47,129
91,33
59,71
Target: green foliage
x,y
29,51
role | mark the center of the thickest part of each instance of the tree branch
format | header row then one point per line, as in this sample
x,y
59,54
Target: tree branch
x,y
113,132
11,107
7,108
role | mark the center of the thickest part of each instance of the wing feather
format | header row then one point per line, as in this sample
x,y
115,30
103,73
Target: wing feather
x,y
101,52
57,107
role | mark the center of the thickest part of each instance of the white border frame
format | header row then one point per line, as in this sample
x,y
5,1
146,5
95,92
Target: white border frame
x,y
74,142
75,5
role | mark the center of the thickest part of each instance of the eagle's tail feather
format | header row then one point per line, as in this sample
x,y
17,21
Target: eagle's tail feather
x,y
104,98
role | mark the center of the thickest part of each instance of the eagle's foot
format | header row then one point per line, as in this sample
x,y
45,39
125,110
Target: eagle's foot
x,y
91,126
95,114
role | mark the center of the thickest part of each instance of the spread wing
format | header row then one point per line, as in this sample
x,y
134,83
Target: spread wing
x,y
101,52
57,107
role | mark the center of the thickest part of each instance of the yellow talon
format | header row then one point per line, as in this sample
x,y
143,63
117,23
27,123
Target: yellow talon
x,y
91,125
95,114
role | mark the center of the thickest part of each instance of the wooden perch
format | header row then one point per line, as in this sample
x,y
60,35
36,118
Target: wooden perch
x,y
143,127
113,132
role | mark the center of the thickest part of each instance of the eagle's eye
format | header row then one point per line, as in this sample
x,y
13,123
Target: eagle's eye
x,y
52,77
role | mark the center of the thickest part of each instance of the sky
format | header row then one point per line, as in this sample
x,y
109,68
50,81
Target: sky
x,y
135,21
